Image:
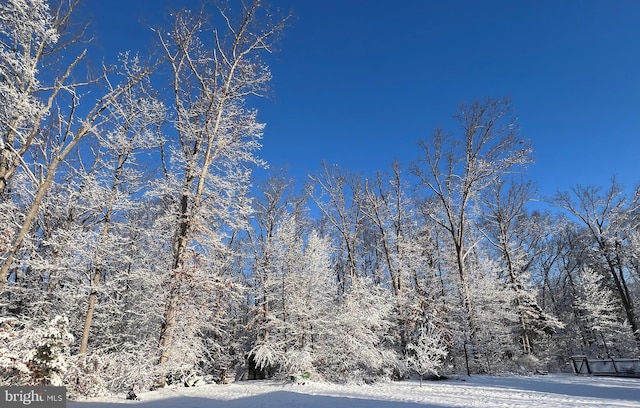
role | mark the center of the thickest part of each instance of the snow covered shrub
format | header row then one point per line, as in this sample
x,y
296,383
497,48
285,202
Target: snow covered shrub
x,y
99,372
50,356
186,378
299,361
428,353
31,355
134,366
193,380
84,376
14,351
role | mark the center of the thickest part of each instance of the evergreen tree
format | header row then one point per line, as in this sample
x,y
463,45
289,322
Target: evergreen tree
x,y
50,356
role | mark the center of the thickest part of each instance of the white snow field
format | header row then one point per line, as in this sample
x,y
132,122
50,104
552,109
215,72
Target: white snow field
x,y
477,391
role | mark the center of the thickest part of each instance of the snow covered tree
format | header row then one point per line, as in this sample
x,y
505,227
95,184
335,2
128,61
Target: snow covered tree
x,y
455,171
301,293
387,206
428,352
275,241
17,341
212,74
30,31
604,215
304,323
339,196
515,237
131,128
597,307
358,348
404,253
498,320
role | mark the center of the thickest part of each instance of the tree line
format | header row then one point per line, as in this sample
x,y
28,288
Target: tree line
x,y
135,249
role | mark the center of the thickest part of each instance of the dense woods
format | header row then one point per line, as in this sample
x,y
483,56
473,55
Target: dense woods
x,y
135,248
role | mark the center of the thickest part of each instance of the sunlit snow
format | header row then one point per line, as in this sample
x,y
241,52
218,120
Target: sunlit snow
x,y
561,391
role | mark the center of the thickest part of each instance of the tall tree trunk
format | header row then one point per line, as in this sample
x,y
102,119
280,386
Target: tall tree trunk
x,y
100,252
171,306
43,189
84,342
212,74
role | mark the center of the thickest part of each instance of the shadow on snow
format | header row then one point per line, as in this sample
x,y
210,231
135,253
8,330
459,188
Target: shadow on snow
x,y
593,387
277,399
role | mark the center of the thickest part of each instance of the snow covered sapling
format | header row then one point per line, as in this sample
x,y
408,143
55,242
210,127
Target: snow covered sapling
x,y
427,354
50,357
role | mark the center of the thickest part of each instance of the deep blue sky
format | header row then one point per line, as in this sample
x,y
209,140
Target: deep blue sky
x,y
358,83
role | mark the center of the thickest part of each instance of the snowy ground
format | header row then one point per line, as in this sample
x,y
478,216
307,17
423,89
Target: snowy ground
x,y
477,391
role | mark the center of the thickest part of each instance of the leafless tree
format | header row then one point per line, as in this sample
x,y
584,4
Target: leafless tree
x,y
213,70
339,196
605,216
33,33
455,170
511,230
